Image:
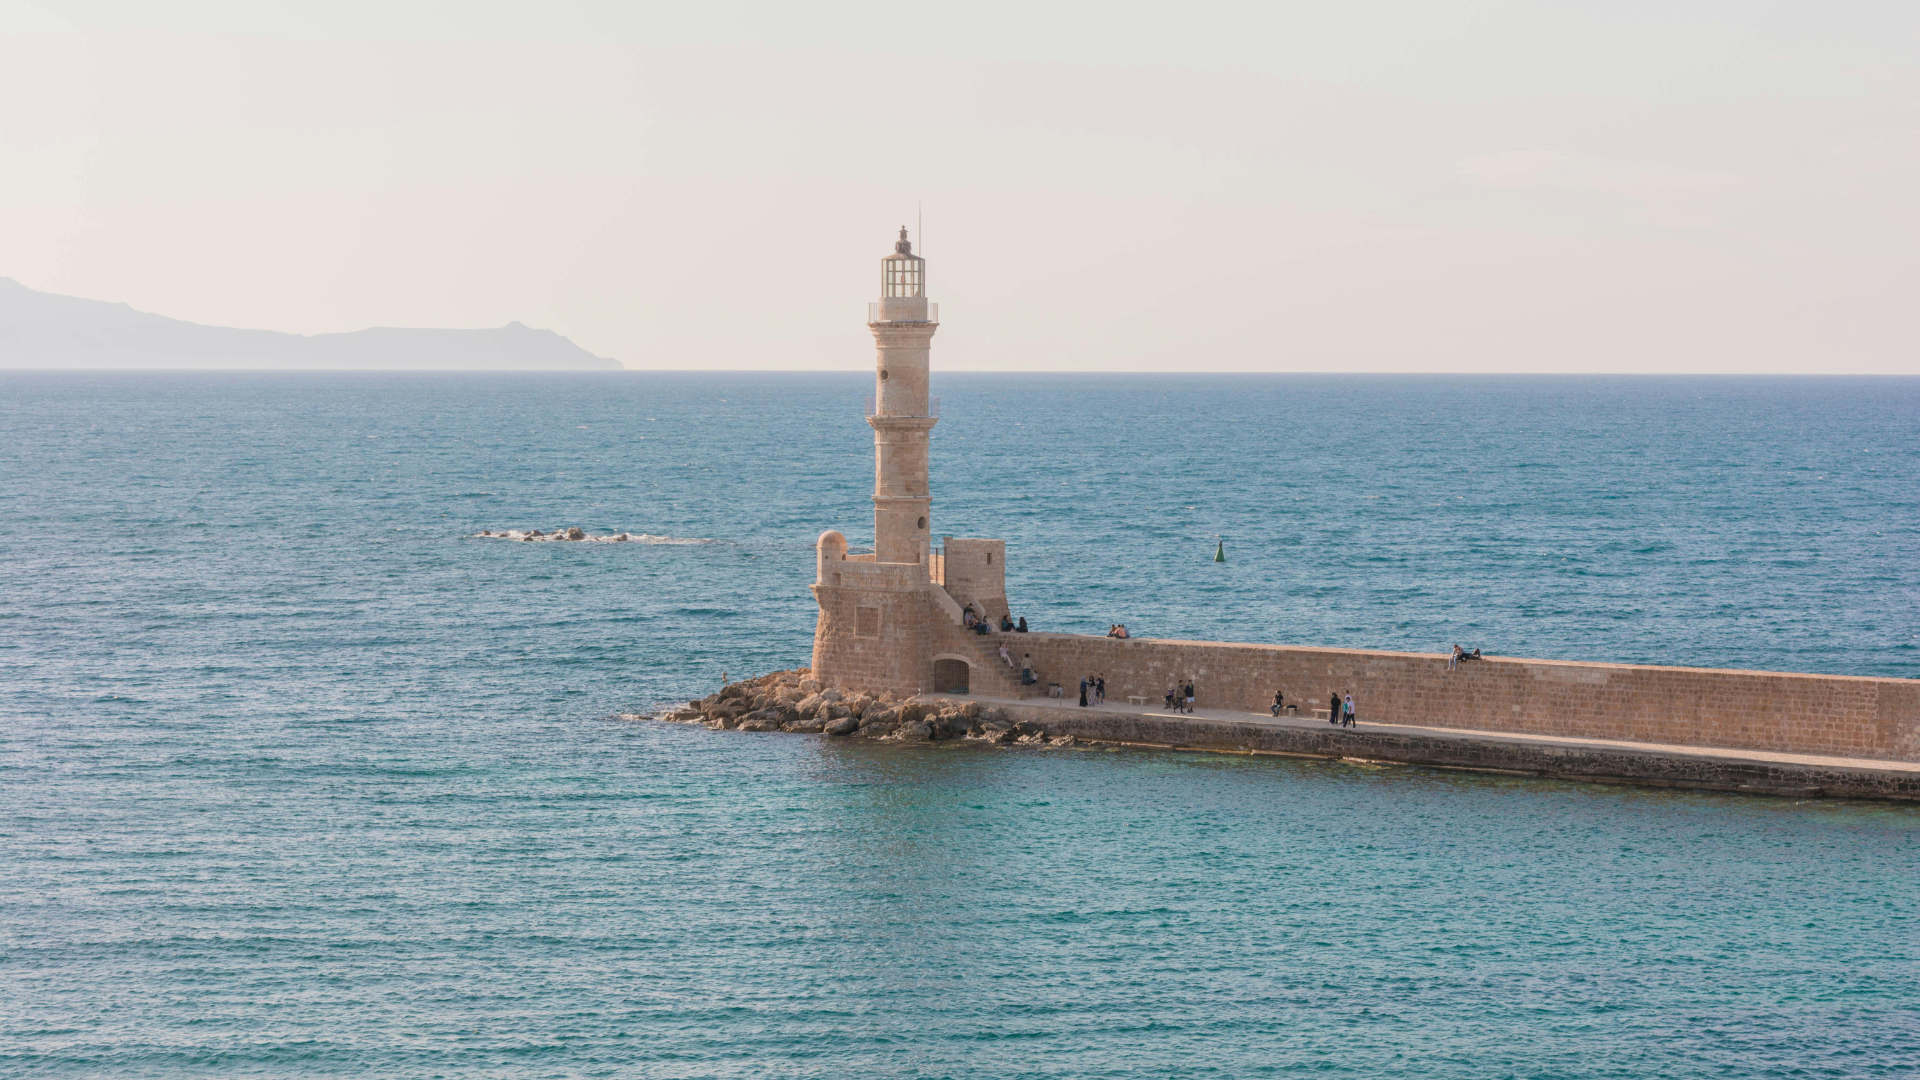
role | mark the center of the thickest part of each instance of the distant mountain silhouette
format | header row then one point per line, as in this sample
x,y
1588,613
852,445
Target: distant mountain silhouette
x,y
47,330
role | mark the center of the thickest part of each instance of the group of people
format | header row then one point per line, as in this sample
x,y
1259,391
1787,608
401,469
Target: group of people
x,y
1180,697
1461,655
1339,707
1118,630
1339,711
1093,690
981,624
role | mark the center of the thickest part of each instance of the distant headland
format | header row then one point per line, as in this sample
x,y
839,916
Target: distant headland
x,y
46,330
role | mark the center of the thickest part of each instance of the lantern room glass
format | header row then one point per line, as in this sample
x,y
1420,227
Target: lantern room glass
x,y
903,273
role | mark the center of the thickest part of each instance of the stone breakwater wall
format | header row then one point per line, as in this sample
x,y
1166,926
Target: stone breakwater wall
x,y
795,702
1621,765
1827,715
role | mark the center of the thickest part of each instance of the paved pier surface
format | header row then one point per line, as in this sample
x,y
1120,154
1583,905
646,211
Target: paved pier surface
x,y
1654,764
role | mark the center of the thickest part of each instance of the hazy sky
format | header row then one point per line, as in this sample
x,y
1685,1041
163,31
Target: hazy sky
x,y
1613,186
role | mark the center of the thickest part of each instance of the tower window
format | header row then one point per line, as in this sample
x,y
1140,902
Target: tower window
x,y
921,524
883,374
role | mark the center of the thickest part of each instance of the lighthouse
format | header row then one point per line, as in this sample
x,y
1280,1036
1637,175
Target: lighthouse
x,y
896,618
903,324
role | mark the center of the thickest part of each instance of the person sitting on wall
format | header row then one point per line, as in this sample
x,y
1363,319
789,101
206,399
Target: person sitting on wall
x,y
1006,624
1459,654
1005,656
1277,704
968,617
1022,628
1120,631
982,627
1170,693
1113,629
1476,652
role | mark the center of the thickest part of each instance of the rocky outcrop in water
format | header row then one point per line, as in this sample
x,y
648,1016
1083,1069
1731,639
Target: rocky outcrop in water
x,y
570,532
796,703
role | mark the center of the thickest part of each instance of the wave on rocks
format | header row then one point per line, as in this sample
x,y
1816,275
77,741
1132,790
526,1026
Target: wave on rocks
x,y
576,534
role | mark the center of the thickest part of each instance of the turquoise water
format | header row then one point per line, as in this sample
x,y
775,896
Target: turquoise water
x,y
300,778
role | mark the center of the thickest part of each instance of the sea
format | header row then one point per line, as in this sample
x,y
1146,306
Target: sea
x,y
304,775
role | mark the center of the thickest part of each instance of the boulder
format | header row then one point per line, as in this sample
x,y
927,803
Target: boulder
x,y
920,732
760,723
805,727
621,539
576,533
995,736
970,710
836,711
808,705
846,725
1064,740
876,731
831,695
1028,727
880,714
809,685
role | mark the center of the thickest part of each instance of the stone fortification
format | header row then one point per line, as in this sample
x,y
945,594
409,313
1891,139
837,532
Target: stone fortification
x,y
894,621
1829,715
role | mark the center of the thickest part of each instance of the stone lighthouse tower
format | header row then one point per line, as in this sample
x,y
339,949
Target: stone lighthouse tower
x,y
903,323
894,618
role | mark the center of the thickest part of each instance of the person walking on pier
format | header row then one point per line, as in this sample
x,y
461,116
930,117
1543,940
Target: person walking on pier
x,y
1100,690
1347,715
1083,693
1189,693
1333,709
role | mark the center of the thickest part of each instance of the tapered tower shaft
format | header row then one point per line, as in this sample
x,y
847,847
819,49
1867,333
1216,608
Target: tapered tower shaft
x,y
903,324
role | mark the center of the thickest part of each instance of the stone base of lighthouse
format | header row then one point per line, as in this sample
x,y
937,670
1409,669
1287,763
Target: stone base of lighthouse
x,y
901,626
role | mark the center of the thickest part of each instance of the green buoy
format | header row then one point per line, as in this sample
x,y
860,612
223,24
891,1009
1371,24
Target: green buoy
x,y
1220,553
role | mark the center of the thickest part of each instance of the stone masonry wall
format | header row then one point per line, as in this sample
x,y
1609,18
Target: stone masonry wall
x,y
892,651
1833,715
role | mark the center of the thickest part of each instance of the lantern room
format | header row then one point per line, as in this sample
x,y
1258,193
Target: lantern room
x,y
903,273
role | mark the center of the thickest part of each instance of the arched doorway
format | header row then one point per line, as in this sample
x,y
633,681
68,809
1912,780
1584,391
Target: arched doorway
x,y
950,676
